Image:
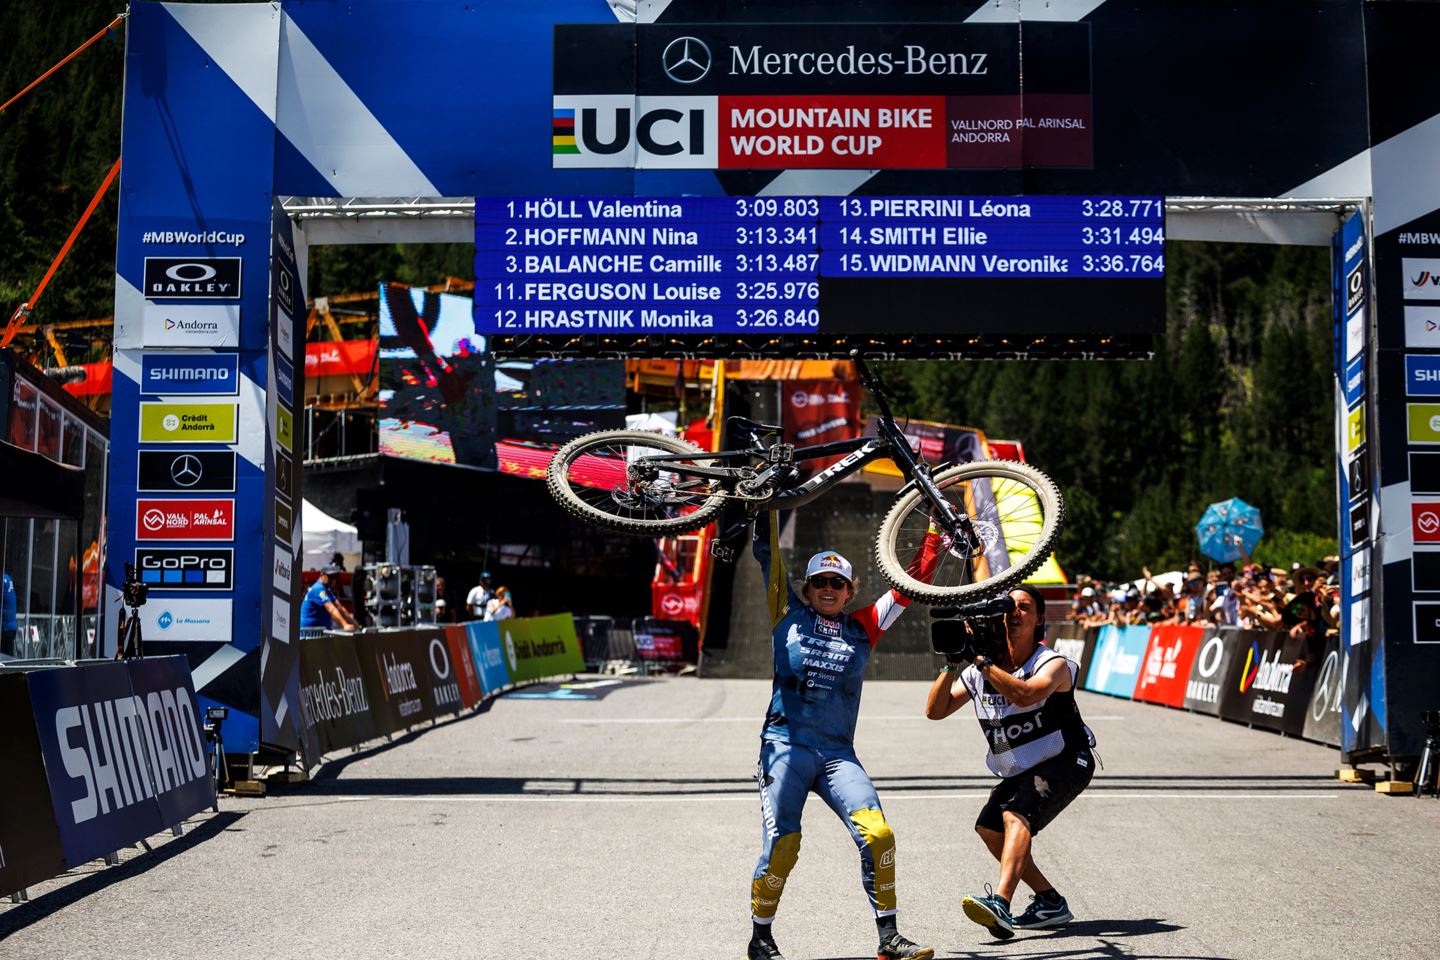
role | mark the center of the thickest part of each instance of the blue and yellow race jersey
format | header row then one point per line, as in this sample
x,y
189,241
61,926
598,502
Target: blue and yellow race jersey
x,y
819,662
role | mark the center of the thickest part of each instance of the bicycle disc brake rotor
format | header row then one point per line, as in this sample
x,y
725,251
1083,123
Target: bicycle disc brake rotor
x,y
986,533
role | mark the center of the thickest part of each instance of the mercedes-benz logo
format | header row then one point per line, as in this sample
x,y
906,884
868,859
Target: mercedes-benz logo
x,y
185,470
686,60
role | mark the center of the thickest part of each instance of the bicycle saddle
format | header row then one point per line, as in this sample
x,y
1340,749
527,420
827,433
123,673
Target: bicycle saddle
x,y
753,426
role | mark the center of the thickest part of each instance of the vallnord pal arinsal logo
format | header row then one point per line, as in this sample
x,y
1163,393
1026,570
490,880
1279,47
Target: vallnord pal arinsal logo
x,y
192,278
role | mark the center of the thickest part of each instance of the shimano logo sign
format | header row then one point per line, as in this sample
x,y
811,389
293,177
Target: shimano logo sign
x,y
128,750
190,373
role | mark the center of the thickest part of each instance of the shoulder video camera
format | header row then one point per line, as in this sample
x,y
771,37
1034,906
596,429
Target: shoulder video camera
x,y
960,634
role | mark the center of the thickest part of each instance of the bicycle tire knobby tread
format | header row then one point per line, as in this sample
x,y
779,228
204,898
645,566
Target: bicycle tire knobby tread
x,y
556,479
894,570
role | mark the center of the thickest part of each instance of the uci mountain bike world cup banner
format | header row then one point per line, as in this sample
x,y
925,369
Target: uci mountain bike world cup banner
x,y
826,96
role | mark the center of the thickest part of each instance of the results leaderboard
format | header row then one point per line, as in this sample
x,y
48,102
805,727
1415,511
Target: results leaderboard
x,y
726,265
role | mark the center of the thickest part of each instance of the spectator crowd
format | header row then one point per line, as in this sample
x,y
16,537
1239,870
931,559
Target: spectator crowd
x,y
1303,601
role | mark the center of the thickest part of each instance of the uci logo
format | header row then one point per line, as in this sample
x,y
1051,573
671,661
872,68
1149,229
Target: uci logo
x,y
686,60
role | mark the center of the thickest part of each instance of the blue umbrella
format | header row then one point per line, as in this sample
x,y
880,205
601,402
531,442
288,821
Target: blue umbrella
x,y
1223,524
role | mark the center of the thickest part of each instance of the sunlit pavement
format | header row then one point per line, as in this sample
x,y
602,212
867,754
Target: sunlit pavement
x,y
627,826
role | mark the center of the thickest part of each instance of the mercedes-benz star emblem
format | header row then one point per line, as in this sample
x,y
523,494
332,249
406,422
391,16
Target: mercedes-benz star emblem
x,y
185,470
686,60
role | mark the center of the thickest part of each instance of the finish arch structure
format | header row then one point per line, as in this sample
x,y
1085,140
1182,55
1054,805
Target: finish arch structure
x,y
254,130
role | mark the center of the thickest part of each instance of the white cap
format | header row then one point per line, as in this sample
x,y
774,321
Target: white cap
x,y
1088,592
828,561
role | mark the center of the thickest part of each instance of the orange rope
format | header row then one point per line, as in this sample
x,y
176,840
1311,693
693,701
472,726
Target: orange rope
x,y
76,52
23,311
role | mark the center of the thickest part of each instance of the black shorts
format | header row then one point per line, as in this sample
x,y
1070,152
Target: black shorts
x,y
1040,793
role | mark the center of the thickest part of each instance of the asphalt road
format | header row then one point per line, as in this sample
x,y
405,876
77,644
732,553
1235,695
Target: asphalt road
x,y
627,826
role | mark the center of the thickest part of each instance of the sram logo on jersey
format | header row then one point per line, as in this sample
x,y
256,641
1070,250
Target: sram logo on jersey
x,y
192,278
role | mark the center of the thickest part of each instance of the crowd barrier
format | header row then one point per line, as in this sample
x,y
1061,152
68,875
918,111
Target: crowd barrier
x,y
357,687
97,756
1248,676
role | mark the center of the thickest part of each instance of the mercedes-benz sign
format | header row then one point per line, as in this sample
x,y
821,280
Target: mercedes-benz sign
x,y
686,60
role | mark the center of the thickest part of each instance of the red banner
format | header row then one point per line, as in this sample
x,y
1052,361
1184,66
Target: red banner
x,y
819,411
184,519
457,640
339,357
905,132
1166,668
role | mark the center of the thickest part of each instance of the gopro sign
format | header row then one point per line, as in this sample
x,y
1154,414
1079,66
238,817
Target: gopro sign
x,y
188,569
190,373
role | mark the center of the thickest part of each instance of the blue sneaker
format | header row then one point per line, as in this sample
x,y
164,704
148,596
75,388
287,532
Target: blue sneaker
x,y
991,913
1040,915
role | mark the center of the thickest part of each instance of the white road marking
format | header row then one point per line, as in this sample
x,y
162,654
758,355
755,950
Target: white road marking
x,y
888,798
758,719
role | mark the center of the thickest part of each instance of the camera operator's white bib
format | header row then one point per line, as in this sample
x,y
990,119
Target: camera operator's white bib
x,y
1024,737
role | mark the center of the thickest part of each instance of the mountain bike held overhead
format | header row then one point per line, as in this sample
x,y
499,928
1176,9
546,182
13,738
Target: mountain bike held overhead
x,y
997,519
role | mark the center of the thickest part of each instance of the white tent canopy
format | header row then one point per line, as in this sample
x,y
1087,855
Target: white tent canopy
x,y
324,536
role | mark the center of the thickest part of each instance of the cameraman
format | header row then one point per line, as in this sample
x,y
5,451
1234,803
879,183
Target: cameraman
x,y
1024,696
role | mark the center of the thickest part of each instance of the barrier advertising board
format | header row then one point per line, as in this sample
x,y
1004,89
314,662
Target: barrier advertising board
x,y
124,754
1322,719
490,659
1263,687
1118,654
457,639
445,696
29,839
541,647
1073,642
1208,672
396,672
1165,670
334,700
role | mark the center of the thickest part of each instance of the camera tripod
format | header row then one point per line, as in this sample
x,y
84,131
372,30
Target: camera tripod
x,y
1425,778
130,645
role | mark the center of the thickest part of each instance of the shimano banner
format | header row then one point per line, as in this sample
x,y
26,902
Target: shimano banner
x,y
124,752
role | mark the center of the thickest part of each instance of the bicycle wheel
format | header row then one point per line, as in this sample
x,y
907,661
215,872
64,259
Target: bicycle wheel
x,y
1016,510
593,478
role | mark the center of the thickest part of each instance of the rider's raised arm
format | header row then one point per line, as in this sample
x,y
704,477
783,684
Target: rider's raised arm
x,y
765,544
880,615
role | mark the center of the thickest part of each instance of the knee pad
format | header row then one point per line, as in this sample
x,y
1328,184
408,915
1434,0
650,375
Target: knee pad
x,y
766,888
878,840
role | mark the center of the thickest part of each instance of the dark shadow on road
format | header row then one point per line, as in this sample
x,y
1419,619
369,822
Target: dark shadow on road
x,y
1049,945
17,918
329,784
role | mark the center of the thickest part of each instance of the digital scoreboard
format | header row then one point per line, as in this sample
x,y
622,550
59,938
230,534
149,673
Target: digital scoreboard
x,y
794,265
